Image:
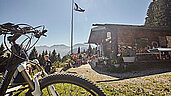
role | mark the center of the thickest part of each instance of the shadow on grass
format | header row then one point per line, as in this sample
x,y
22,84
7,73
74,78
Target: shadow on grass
x,y
68,67
135,72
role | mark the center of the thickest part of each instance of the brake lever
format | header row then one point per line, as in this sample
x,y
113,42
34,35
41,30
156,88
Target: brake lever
x,y
45,35
44,31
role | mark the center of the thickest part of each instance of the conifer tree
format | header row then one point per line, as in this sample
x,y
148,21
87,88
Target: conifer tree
x,y
84,51
49,53
39,57
2,58
46,52
79,50
89,49
59,57
42,60
53,56
33,54
2,49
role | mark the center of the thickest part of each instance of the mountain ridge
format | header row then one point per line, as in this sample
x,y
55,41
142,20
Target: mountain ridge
x,y
61,48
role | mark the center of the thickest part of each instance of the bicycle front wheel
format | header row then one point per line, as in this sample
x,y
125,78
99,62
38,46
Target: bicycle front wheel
x,y
69,85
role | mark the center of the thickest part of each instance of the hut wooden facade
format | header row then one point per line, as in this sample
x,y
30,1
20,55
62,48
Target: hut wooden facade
x,y
129,39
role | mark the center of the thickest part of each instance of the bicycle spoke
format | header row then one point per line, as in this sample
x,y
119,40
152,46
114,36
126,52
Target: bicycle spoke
x,y
48,91
64,88
71,90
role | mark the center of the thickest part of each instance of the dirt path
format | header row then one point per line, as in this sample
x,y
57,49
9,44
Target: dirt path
x,y
88,72
158,84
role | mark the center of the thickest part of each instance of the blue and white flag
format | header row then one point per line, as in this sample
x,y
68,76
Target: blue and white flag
x,y
77,8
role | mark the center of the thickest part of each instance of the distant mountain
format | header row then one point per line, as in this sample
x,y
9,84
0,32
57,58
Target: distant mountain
x,y
82,46
62,49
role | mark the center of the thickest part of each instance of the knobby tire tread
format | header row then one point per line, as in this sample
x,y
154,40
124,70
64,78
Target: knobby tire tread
x,y
70,78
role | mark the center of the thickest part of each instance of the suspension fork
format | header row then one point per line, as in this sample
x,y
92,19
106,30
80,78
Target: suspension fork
x,y
26,76
10,69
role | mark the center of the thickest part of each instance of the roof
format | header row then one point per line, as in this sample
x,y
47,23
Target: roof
x,y
98,28
98,32
134,26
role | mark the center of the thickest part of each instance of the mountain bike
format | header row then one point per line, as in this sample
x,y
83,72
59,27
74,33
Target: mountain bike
x,y
40,84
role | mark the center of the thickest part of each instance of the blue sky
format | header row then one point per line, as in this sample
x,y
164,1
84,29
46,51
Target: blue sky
x,y
56,16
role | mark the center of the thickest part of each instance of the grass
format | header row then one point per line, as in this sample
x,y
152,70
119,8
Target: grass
x,y
63,89
152,85
155,85
68,90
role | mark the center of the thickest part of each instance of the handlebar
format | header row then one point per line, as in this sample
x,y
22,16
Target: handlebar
x,y
14,31
17,30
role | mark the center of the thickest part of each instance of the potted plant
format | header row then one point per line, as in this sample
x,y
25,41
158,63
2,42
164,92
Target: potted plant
x,y
128,56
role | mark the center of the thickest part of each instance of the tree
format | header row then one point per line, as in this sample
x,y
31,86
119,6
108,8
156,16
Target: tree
x,y
89,49
2,49
49,53
64,58
33,54
42,60
43,53
3,59
59,57
46,52
79,50
158,14
39,57
53,56
84,51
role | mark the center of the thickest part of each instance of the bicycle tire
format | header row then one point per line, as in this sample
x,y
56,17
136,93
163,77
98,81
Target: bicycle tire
x,y
71,79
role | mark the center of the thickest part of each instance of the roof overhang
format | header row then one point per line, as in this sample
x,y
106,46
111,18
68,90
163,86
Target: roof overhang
x,y
159,50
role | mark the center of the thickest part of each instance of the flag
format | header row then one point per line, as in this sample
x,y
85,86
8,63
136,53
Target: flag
x,y
77,8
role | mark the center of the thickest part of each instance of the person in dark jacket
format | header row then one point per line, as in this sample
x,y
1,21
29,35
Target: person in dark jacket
x,y
48,64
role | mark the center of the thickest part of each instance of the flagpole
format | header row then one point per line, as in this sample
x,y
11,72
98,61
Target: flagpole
x,y
72,26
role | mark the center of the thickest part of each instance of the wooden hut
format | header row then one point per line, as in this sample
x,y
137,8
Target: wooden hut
x,y
130,39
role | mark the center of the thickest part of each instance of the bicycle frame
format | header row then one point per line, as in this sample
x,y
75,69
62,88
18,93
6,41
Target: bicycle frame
x,y
19,56
33,84
12,65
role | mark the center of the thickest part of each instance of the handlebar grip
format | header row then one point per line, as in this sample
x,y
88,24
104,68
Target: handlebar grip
x,y
44,31
8,24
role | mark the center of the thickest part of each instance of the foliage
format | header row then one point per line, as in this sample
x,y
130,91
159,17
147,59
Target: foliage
x,y
124,54
79,50
50,53
59,64
2,49
141,42
3,59
46,52
89,49
53,57
41,58
33,54
65,58
157,9
59,57
113,58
